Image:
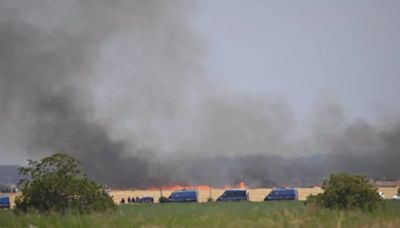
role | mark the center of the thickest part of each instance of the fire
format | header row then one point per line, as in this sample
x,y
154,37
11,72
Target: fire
x,y
241,185
203,187
180,187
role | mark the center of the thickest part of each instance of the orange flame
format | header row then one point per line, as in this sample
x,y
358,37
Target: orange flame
x,y
241,185
180,187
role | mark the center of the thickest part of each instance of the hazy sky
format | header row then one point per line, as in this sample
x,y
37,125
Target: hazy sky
x,y
348,51
121,84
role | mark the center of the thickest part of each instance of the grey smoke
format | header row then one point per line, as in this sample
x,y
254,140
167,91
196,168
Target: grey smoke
x,y
335,144
119,86
49,51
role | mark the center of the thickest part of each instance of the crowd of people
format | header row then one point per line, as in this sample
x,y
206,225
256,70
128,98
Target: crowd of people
x,y
130,200
146,199
9,190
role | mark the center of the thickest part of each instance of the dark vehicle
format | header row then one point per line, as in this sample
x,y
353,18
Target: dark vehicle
x,y
5,202
183,196
282,194
146,199
234,195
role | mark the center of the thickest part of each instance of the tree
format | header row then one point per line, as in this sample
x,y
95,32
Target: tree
x,y
56,183
345,191
163,199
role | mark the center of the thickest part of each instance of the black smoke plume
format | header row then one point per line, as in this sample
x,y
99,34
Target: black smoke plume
x,y
118,85
48,52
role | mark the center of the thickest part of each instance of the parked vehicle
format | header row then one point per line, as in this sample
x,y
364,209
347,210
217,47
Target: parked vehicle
x,y
183,196
396,197
282,194
146,199
5,202
234,195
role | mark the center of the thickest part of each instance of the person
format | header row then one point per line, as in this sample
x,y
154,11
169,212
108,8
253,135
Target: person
x,y
122,200
133,199
129,199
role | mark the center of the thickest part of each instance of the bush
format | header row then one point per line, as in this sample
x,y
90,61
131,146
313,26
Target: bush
x,y
345,191
313,200
56,184
162,199
210,200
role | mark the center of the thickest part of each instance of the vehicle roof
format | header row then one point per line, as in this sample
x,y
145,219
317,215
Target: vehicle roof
x,y
182,191
283,189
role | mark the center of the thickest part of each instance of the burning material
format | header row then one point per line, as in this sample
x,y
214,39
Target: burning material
x,y
241,185
177,187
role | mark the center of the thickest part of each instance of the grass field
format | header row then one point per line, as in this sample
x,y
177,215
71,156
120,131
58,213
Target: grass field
x,y
244,214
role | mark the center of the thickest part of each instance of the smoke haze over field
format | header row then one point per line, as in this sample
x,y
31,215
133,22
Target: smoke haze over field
x,y
123,85
49,52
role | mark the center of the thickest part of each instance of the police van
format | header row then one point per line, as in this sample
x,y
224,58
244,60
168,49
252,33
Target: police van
x,y
282,194
183,196
234,195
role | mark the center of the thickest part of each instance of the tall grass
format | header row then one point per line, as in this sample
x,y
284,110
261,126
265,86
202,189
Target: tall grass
x,y
243,214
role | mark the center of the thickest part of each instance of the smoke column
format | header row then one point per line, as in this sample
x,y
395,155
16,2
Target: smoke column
x,y
48,56
119,86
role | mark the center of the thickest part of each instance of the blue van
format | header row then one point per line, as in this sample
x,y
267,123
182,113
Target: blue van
x,y
282,194
146,199
5,202
183,196
234,195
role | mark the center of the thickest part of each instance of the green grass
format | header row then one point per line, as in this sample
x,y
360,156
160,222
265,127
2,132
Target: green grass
x,y
245,214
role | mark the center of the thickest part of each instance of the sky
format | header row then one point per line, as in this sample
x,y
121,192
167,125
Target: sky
x,y
348,51
122,86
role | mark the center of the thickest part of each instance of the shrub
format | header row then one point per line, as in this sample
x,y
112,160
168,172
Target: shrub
x,y
162,199
55,183
313,199
345,191
210,200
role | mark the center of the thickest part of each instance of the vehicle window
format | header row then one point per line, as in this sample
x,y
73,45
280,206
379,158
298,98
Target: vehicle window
x,y
235,193
228,193
240,193
175,195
